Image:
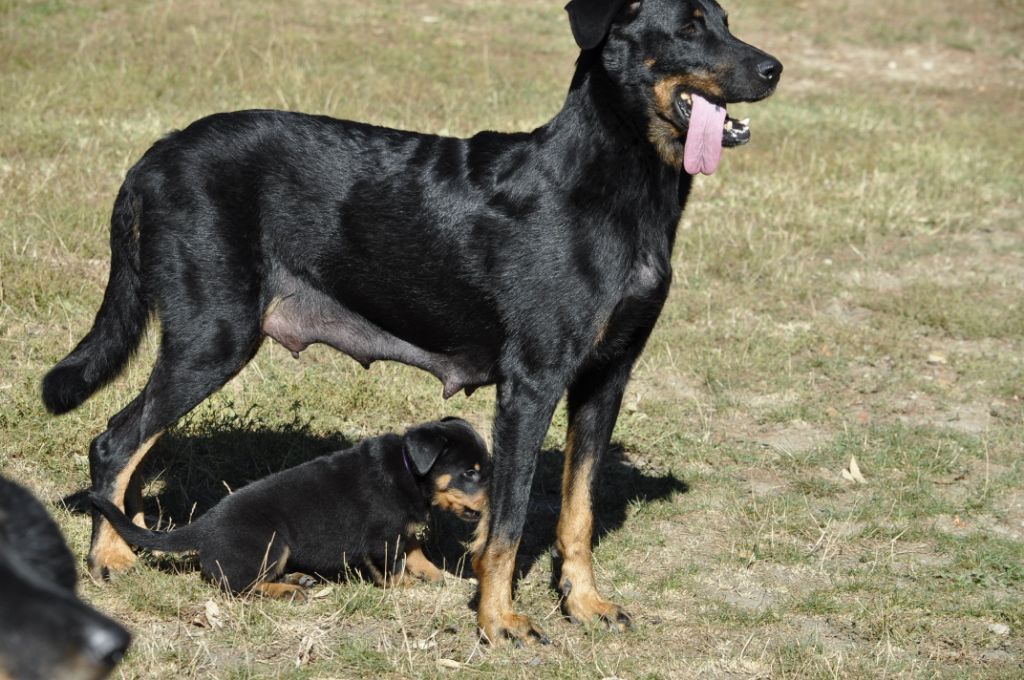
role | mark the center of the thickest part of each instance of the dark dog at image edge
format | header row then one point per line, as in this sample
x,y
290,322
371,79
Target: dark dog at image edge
x,y
356,508
46,632
538,262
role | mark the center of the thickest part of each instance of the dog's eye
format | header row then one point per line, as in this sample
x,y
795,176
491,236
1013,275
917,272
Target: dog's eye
x,y
471,475
689,28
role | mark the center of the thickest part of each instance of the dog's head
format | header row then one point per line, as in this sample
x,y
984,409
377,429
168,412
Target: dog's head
x,y
452,459
687,66
46,632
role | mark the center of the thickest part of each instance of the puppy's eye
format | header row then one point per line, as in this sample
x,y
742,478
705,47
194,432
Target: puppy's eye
x,y
688,28
471,475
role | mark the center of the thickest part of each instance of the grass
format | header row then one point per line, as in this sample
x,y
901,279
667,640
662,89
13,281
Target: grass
x,y
849,284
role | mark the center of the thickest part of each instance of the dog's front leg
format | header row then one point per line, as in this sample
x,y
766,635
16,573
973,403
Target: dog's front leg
x,y
594,400
524,414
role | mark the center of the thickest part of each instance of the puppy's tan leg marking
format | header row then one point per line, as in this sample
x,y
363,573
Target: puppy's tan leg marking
x,y
281,591
417,566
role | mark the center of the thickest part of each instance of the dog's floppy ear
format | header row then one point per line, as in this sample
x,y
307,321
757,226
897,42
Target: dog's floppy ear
x,y
591,19
422,446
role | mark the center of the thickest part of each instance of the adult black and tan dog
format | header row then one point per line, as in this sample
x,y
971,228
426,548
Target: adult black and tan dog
x,y
46,632
536,261
355,508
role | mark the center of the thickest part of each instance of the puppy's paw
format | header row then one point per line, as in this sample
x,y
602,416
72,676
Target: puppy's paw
x,y
282,591
297,578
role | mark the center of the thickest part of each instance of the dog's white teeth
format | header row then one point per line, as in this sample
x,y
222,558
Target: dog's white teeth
x,y
728,125
745,122
685,96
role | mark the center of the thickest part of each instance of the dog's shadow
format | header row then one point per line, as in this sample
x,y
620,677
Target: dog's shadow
x,y
187,473
620,484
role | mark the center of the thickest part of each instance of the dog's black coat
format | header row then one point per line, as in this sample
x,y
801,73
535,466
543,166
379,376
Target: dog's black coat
x,y
45,630
335,512
537,261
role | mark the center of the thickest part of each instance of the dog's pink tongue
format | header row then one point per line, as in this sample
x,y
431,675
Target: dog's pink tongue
x,y
703,148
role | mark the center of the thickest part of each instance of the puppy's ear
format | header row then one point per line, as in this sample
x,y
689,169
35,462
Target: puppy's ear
x,y
422,446
591,19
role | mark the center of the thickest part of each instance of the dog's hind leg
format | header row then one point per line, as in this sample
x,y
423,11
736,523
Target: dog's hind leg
x,y
197,356
246,559
133,499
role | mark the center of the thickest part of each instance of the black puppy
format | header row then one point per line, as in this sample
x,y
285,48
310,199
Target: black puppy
x,y
537,261
46,632
354,508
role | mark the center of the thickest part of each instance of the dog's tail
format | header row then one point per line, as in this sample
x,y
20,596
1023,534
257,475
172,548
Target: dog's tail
x,y
176,540
119,323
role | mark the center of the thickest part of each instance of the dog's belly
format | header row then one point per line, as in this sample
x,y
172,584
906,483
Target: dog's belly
x,y
309,316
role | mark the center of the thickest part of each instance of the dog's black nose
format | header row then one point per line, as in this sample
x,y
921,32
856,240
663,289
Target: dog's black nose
x,y
770,70
106,643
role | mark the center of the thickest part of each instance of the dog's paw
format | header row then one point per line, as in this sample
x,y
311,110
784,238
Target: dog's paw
x,y
516,628
428,573
588,606
110,556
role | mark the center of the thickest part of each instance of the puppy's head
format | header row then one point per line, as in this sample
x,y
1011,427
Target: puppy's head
x,y
451,459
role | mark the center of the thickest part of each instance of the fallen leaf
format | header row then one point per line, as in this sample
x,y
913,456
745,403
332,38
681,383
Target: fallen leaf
x,y
214,618
852,472
323,592
999,629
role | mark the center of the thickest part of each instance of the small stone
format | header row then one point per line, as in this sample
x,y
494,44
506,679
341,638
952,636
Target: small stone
x,y
937,359
1000,629
999,409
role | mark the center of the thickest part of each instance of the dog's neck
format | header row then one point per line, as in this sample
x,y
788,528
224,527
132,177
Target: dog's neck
x,y
603,129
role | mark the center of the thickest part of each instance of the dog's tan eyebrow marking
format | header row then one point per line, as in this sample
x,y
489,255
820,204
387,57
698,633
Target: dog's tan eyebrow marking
x,y
698,14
